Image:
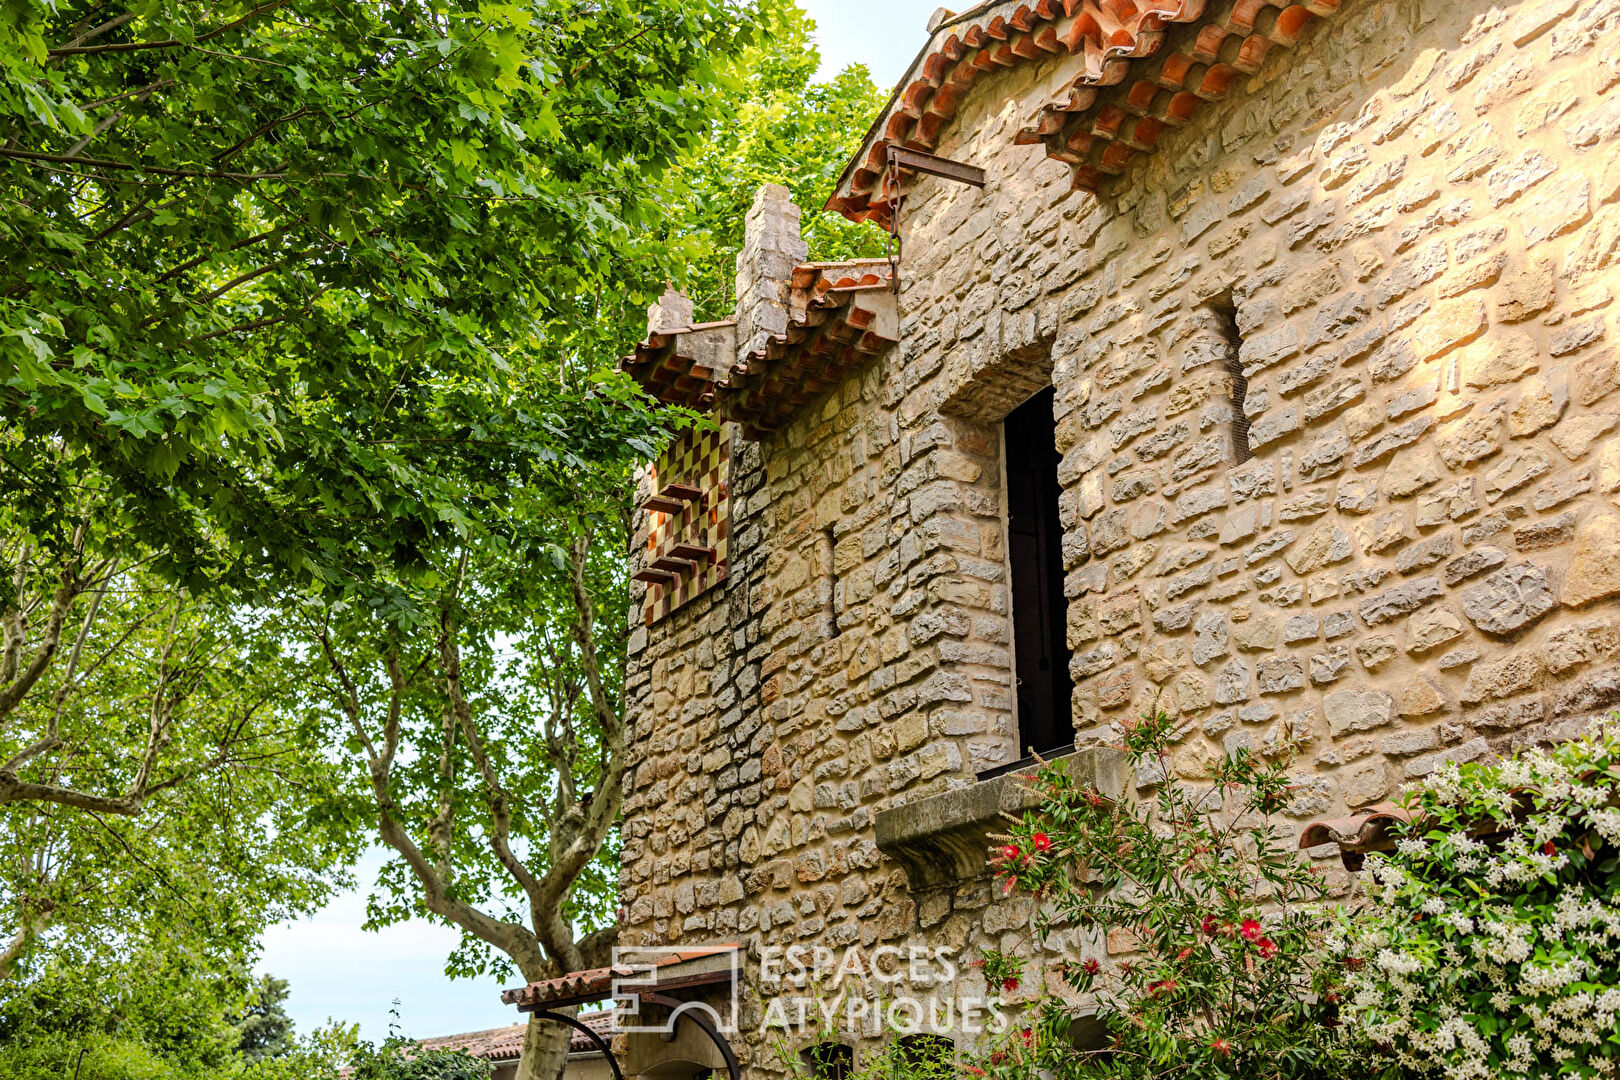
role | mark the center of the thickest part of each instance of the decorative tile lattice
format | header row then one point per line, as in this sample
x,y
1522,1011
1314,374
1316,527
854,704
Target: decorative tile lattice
x,y
687,543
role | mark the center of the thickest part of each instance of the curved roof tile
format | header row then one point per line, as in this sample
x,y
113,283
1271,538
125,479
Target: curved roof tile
x,y
1104,43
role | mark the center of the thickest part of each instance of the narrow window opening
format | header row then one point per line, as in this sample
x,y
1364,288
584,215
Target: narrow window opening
x,y
1044,690
926,1056
1226,325
829,1060
831,597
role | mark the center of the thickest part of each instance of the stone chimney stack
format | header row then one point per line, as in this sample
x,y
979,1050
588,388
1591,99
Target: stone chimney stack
x,y
669,312
772,247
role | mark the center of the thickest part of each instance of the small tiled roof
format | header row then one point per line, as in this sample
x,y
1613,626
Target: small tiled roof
x,y
506,1043
593,984
839,313
681,365
1103,43
1366,830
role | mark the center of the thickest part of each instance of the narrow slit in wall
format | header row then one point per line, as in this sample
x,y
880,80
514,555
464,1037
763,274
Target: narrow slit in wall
x,y
829,606
1226,326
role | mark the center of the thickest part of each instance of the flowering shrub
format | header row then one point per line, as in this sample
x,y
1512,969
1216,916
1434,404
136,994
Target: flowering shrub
x,y
1493,936
1226,974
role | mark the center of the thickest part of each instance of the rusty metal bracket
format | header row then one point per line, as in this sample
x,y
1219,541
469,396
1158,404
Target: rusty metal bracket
x,y
917,161
899,158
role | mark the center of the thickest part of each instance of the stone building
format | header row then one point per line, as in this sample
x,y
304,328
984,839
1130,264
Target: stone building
x,y
1266,381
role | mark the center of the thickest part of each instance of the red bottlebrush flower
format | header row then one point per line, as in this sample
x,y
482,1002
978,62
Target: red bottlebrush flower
x,y
1208,926
1183,954
1009,984
997,1058
973,1070
1090,966
1250,930
1041,842
1267,947
1163,986
1548,848
1331,998
1007,853
1221,1046
1028,1037
1008,884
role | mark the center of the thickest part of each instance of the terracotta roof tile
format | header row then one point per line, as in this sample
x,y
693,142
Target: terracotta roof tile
x,y
592,984
681,365
495,1044
838,315
506,1043
1102,43
1357,834
575,984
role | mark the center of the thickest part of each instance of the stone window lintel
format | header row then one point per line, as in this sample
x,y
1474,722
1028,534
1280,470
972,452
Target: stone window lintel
x,y
944,840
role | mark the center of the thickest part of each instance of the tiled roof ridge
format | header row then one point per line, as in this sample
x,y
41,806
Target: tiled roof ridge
x,y
1097,139
495,1044
1108,35
826,333
440,1040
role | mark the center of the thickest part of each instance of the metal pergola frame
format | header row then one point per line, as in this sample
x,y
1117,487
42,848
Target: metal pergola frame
x,y
678,1009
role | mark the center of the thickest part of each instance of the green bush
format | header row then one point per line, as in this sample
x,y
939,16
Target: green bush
x,y
1229,976
1491,945
92,1056
402,1059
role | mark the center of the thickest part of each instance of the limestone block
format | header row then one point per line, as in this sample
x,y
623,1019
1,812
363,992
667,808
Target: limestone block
x,y
1526,292
1329,666
1555,208
1470,439
1472,750
1576,434
1325,546
1421,696
1365,783
1377,651
1512,674
1510,599
1594,565
1401,600
1430,629
1539,406
1350,711
1234,683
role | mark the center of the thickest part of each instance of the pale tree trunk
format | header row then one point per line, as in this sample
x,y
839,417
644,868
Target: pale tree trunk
x,y
545,1050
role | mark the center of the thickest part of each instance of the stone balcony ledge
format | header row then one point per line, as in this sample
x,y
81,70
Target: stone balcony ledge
x,y
944,840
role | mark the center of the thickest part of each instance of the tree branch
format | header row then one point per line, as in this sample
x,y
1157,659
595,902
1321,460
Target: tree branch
x,y
511,938
61,603
549,926
75,49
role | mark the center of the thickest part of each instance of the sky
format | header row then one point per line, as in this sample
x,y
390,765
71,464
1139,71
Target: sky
x,y
885,35
337,970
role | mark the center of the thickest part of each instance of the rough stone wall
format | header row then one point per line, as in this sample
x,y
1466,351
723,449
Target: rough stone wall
x,y
1407,228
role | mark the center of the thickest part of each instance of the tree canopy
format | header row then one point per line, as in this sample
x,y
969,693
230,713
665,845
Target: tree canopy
x,y
315,477
245,244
